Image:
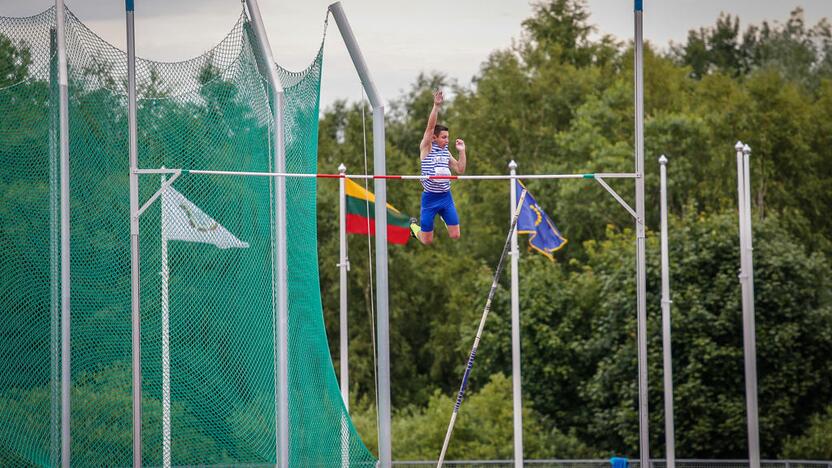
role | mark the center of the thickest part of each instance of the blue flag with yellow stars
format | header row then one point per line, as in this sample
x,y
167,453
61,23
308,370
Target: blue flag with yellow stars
x,y
544,236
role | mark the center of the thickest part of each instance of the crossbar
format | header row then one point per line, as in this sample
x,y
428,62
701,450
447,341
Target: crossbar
x,y
600,175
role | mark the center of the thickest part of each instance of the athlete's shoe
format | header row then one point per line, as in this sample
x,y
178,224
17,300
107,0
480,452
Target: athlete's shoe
x,y
415,229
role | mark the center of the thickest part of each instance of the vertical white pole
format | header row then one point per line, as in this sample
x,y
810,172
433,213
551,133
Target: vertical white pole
x,y
516,377
54,258
669,436
165,336
66,337
282,319
641,264
380,186
343,266
383,333
134,238
747,283
283,290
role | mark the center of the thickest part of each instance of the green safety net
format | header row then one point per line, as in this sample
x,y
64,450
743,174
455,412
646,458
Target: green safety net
x,y
207,250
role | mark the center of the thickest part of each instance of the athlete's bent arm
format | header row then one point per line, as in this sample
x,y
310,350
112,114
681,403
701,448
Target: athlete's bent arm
x,y
459,165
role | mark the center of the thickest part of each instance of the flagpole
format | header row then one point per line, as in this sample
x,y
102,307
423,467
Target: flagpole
x,y
134,238
516,378
747,284
641,261
669,436
343,266
165,337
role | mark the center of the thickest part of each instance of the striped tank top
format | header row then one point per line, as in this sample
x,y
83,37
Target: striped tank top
x,y
437,162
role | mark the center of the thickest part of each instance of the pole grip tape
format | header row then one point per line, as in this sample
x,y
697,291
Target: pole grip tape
x,y
129,5
639,5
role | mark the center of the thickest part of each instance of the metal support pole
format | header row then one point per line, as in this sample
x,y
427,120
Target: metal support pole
x,y
747,283
66,337
667,355
134,239
516,377
263,49
383,317
54,258
641,264
343,266
380,186
165,290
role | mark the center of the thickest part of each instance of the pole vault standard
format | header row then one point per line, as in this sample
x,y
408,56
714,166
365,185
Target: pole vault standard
x,y
641,261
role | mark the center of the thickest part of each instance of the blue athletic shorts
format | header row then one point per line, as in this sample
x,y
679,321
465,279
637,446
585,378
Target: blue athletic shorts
x,y
441,204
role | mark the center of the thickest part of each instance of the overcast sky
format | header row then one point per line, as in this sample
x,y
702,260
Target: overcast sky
x,y
399,38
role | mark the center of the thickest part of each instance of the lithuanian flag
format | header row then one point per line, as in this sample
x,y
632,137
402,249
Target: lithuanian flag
x,y
361,207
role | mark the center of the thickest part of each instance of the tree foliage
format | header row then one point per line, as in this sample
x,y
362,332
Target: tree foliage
x,y
560,100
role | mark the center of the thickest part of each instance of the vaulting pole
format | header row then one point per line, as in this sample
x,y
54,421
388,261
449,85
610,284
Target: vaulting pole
x,y
669,435
134,238
641,263
380,186
66,337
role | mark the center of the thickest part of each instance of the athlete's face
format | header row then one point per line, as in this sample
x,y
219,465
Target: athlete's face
x,y
442,139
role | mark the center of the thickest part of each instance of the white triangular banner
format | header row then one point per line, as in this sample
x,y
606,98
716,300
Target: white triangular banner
x,y
183,221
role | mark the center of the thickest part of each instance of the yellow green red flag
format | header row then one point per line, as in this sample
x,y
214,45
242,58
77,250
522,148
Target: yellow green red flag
x,y
361,209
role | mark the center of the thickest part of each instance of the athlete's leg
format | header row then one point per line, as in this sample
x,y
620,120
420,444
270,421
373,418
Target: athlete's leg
x,y
453,231
427,216
450,216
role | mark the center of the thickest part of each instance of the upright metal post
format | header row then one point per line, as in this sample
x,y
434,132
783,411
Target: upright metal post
x,y
641,264
134,238
282,320
516,378
165,309
669,435
380,185
343,266
54,257
66,337
747,284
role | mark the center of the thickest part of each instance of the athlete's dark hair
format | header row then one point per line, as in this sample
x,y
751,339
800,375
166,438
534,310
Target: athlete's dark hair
x,y
439,129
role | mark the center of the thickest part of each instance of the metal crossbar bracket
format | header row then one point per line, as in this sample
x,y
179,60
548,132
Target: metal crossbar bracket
x,y
167,183
617,198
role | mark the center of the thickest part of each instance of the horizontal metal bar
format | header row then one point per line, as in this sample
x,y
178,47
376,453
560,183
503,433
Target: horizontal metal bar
x,y
159,171
402,177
